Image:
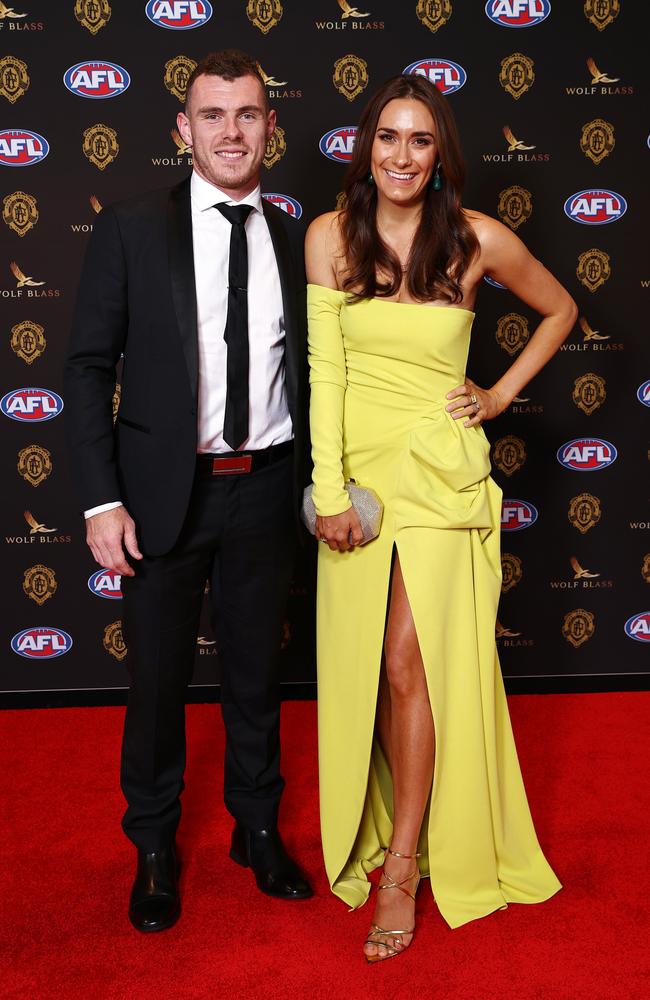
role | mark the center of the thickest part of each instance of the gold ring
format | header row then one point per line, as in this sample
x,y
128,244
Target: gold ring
x,y
473,398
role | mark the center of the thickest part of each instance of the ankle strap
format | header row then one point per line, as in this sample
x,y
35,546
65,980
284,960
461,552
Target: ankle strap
x,y
397,854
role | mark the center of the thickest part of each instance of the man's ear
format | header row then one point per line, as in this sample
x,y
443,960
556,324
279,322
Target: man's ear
x,y
270,123
183,123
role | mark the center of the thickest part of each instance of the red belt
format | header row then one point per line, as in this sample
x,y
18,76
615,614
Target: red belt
x,y
238,463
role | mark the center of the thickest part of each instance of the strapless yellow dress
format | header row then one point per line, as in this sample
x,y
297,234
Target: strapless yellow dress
x,y
379,374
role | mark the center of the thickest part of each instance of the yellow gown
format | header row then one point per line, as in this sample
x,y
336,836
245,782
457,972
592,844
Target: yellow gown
x,y
379,374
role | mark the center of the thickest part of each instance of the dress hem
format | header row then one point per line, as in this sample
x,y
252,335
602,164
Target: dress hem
x,y
363,892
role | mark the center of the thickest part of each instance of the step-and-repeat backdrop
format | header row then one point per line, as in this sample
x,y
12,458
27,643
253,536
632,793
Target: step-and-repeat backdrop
x,y
548,97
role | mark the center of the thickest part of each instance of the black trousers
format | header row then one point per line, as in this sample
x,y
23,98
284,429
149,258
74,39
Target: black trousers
x,y
239,534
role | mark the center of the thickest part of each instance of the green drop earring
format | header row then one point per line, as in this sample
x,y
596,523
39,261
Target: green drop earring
x,y
370,178
437,179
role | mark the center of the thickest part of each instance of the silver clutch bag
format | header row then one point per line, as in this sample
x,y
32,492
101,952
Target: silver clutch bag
x,y
365,501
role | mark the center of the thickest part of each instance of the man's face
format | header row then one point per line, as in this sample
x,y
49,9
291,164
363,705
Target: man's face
x,y
227,125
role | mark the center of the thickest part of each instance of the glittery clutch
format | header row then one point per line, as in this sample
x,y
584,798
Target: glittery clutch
x,y
365,501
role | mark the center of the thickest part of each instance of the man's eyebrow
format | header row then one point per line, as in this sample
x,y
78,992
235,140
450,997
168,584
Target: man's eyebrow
x,y
393,131
212,110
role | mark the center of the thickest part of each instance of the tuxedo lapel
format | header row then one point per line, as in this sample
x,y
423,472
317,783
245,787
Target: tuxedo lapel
x,y
282,250
181,270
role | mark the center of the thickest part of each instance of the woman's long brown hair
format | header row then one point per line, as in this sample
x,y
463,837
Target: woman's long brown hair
x,y
444,243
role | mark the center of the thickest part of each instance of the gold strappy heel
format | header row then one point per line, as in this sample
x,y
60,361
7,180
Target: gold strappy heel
x,y
391,950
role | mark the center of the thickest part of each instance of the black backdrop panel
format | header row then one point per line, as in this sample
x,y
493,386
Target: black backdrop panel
x,y
545,113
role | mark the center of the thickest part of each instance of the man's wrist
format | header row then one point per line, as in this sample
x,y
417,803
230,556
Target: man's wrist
x,y
101,508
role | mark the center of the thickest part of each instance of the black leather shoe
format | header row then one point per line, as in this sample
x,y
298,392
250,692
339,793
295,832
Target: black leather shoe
x,y
275,872
155,903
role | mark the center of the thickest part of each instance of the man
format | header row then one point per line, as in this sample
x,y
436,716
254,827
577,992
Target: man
x,y
202,288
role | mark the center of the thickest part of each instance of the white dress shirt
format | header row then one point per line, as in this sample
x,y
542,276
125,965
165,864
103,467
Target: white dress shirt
x,y
269,421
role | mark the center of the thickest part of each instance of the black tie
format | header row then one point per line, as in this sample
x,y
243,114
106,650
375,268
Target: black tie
x,y
235,425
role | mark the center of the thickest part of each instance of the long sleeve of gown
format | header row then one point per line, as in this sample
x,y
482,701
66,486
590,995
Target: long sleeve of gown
x,y
327,378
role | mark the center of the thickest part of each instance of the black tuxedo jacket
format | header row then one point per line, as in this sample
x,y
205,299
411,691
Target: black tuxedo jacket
x,y
137,296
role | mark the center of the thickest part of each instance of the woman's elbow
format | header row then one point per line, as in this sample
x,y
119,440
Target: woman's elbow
x,y
567,315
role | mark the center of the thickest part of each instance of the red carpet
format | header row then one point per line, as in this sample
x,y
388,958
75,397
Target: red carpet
x,y
68,869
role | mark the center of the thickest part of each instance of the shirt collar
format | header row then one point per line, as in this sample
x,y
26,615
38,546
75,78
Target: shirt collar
x,y
205,196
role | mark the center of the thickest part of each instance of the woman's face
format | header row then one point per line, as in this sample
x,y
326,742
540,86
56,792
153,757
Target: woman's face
x,y
404,151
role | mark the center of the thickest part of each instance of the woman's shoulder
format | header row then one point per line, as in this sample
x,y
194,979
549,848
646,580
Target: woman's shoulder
x,y
326,226
489,232
323,249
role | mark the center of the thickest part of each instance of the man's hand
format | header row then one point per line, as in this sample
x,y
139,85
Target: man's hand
x,y
108,534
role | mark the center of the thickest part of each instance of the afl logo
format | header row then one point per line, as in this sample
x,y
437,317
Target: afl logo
x,y
595,207
21,148
517,515
97,80
638,627
338,144
643,393
448,76
31,405
586,454
42,643
518,13
283,201
106,583
180,15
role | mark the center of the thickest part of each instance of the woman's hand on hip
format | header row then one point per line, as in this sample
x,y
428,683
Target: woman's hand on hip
x,y
341,531
475,404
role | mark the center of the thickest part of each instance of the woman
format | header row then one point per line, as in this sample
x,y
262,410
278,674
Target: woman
x,y
408,669
406,648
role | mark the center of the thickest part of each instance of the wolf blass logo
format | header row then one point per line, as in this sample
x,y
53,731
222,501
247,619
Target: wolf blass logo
x,y
510,639
274,86
518,151
592,340
13,20
207,647
601,84
524,405
87,227
38,534
183,151
275,94
352,18
582,579
27,287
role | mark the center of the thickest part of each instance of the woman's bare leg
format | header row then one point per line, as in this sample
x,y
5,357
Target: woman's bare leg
x,y
406,725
